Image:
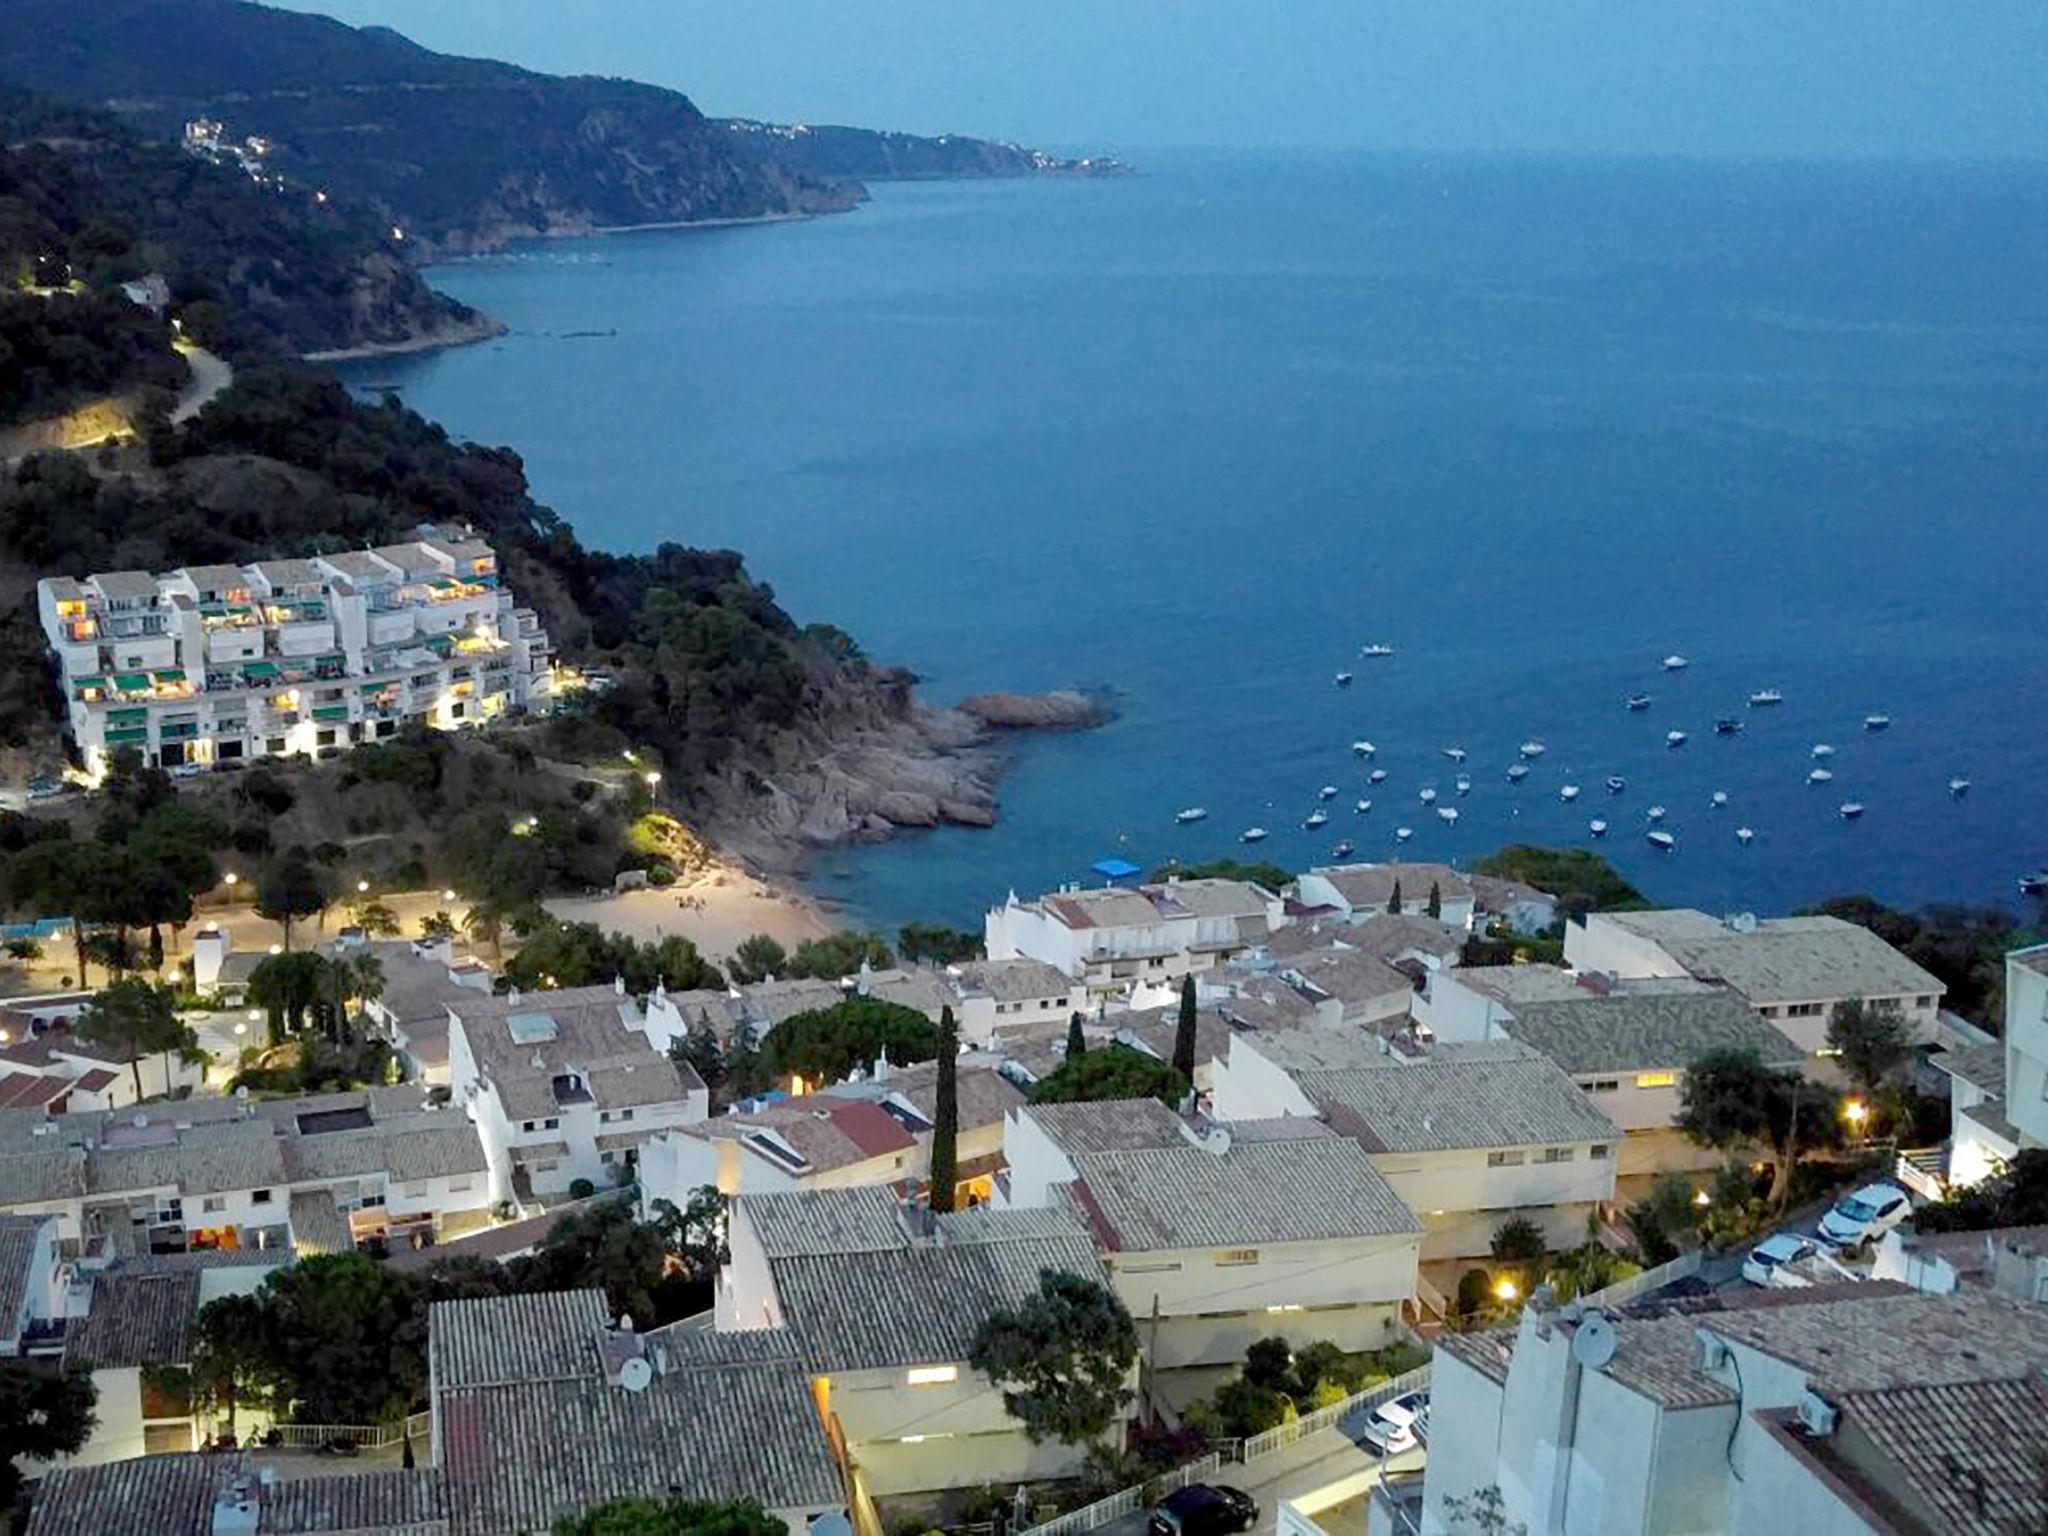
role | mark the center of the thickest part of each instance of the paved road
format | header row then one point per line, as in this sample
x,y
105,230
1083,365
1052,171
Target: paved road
x,y
1311,1464
210,375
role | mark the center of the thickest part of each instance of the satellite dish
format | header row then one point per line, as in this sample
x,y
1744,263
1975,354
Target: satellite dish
x,y
635,1375
1594,1341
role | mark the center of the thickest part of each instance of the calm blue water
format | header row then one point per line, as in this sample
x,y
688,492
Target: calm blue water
x,y
1198,436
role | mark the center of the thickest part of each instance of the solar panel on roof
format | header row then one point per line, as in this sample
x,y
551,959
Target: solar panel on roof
x,y
531,1028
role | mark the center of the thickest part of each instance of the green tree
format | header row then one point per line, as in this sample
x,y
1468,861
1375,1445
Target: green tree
x,y
137,1018
347,1339
1732,1101
671,1517
44,1413
1184,1031
945,1170
230,1354
1394,901
1873,1040
437,925
700,1051
824,1045
1062,1359
1581,880
2017,1196
1077,1039
936,944
756,958
287,988
601,1246
1270,877
1117,1072
1518,1240
696,1233
292,887
840,954
1434,907
375,918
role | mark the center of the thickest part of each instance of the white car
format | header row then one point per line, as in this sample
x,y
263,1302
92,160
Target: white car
x,y
1394,1425
1865,1216
1768,1260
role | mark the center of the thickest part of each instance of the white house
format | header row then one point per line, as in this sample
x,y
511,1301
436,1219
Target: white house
x,y
1355,892
1227,1234
1516,903
1116,937
2026,1043
882,1303
568,1085
30,1296
1469,1136
993,997
1793,970
214,664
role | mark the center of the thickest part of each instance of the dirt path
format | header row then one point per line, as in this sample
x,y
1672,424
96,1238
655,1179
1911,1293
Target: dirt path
x,y
210,375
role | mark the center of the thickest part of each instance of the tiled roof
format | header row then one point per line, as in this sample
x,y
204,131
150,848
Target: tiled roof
x,y
18,1239
824,1220
174,1496
1647,1025
1489,1351
442,1144
827,1131
1155,1029
317,1223
1971,1253
2034,959
136,1319
1111,1125
537,1337
1783,959
1457,1096
1262,1192
388,1502
1350,975
1981,1066
521,1045
1972,1451
984,1094
1372,885
203,1161
1495,893
1898,1339
1013,981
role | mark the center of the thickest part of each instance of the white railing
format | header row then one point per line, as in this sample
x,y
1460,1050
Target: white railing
x,y
1127,1501
364,1437
1622,1292
1283,1435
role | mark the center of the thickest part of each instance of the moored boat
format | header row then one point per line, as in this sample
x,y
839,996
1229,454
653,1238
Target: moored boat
x,y
1597,827
1958,788
1363,748
1764,698
1254,835
1316,818
1517,772
1745,834
1568,793
1637,701
1851,809
1674,738
1616,783
1192,813
1661,840
1533,749
1675,663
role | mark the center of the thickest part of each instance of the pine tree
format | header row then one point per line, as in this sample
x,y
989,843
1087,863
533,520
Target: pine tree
x,y
1077,1043
1184,1031
1394,901
1436,901
945,1174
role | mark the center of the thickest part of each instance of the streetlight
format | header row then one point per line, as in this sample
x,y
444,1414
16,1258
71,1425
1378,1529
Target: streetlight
x,y
652,778
447,895
1702,1199
1506,1289
1855,1111
230,879
362,887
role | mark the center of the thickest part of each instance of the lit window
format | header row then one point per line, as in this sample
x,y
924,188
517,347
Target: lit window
x,y
1656,1079
1229,1257
932,1375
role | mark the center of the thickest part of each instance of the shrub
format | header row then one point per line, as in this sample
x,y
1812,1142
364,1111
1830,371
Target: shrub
x,y
581,1189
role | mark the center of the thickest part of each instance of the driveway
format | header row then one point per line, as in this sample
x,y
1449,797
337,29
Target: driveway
x,y
1327,1463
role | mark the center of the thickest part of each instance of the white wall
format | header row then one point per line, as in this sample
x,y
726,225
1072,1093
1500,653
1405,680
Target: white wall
x,y
2026,1057
1601,944
1462,1199
1251,1086
1464,1439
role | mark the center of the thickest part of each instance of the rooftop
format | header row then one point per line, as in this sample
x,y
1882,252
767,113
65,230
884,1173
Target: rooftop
x,y
135,1319
1981,1066
19,1237
522,1043
1145,905
1372,885
826,1131
174,1495
1872,1342
1112,1125
1970,1452
1630,1026
1013,981
1457,1097
1781,959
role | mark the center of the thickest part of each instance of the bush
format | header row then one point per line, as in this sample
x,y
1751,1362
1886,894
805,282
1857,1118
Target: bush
x,y
581,1189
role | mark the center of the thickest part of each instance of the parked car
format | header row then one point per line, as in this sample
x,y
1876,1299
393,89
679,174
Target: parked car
x,y
1865,1216
1768,1259
1203,1509
1397,1423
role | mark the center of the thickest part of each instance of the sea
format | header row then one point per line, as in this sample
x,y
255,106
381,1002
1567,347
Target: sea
x,y
1195,437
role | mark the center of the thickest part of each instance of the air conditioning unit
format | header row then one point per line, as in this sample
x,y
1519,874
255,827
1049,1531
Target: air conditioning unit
x,y
1818,1416
1713,1349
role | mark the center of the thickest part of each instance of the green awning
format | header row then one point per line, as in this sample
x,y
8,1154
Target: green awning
x,y
90,682
131,682
170,675
260,670
127,717
441,643
132,733
331,712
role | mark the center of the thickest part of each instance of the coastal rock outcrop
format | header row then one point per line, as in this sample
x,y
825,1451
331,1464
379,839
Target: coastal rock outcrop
x,y
1063,709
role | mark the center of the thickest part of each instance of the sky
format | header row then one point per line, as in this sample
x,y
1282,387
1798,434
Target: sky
x,y
1923,79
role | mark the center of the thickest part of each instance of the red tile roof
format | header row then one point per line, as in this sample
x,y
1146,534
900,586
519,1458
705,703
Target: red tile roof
x,y
870,1127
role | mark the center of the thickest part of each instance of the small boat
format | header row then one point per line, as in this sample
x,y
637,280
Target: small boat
x,y
1363,749
1447,812
1342,679
1327,792
1192,813
1517,772
1745,835
2035,884
1638,702
1662,840
1464,784
1675,663
1362,807
1877,722
1533,749
1568,793
1820,776
1402,834
1674,738
1316,818
1655,813
1718,799
1377,776
1375,650
1616,783
1254,835
1957,788
1455,754
1727,726
1344,850
1597,827
1764,698
1851,809
1427,796
1822,749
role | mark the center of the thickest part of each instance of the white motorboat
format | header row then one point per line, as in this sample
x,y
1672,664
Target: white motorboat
x,y
1254,835
1764,698
1820,776
1822,749
1447,813
1427,796
1455,754
1464,784
1637,702
1375,650
1517,772
1568,793
1674,738
1402,834
1597,827
1363,748
1316,818
2034,884
1533,749
1362,807
1957,788
1851,809
1675,663
1344,850
1662,840
1655,813
1192,813
1745,834
1718,798
1616,783
1342,679
1877,722
1327,792
1377,776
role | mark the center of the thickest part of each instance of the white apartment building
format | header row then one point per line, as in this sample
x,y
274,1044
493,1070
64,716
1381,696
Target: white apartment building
x,y
221,663
994,997
1998,1091
1793,970
568,1085
1114,938
1355,892
1227,1234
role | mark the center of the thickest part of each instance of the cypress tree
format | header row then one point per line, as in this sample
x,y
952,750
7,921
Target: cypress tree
x,y
1394,901
1436,901
1077,1043
1184,1031
945,1174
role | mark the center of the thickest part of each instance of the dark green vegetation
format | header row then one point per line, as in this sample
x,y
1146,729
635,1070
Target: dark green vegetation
x,y
60,351
825,1044
44,1412
1267,876
1963,946
1114,1072
1061,1359
2017,1197
1732,1101
945,1161
1279,1382
936,944
556,954
671,1517
1581,880
865,154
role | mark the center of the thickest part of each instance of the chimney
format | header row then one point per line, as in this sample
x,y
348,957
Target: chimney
x,y
619,985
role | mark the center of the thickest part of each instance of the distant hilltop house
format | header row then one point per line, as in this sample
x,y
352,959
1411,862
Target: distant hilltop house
x,y
152,292
221,663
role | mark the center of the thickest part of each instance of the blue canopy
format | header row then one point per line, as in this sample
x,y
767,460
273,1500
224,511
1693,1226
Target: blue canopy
x,y
1114,869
